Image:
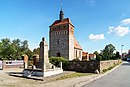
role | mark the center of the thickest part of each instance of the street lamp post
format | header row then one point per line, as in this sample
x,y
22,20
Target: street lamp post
x,y
122,52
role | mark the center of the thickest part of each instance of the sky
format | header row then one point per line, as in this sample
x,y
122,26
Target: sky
x,y
97,22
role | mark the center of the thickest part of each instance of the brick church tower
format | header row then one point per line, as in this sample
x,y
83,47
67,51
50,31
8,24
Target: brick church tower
x,y
62,41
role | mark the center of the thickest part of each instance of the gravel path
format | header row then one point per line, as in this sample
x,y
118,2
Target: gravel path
x,y
11,81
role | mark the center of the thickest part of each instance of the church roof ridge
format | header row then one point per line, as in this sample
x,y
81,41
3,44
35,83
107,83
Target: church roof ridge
x,y
65,21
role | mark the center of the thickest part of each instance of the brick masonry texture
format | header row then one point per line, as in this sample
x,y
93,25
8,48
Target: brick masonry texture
x,y
62,41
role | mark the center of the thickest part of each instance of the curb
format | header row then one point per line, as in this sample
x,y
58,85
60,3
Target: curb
x,y
95,78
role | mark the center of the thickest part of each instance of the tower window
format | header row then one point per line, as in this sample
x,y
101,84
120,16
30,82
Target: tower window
x,y
56,33
58,41
59,27
66,32
64,26
58,54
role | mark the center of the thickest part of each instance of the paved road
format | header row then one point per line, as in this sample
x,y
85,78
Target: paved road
x,y
120,77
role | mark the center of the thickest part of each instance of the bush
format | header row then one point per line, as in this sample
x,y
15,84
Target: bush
x,y
56,61
30,63
84,60
92,59
75,60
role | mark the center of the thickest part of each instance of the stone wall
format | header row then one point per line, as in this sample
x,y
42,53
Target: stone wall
x,y
107,64
83,66
90,66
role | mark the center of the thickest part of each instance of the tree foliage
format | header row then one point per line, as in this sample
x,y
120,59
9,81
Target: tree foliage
x,y
98,57
56,61
118,55
12,50
107,53
36,51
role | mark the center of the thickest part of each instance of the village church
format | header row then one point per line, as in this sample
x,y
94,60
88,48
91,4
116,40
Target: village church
x,y
62,40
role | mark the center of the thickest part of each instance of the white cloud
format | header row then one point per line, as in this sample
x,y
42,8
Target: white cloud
x,y
96,37
126,21
119,30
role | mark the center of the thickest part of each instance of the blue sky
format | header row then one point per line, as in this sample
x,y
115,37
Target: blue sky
x,y
97,22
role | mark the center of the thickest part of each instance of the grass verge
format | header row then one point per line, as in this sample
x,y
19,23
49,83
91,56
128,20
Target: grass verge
x,y
108,69
73,75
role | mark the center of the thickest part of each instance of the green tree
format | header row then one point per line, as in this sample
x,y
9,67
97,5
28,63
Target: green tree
x,y
98,57
16,45
25,49
6,49
29,53
13,50
108,52
118,55
36,51
24,46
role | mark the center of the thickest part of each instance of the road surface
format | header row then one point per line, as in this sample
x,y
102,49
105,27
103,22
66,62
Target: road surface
x,y
120,77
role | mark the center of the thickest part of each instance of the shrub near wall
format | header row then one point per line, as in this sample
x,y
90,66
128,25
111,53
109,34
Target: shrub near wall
x,y
56,61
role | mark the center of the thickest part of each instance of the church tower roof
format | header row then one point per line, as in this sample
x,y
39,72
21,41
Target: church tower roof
x,y
61,15
62,20
65,21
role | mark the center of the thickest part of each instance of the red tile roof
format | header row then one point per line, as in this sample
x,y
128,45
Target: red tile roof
x,y
65,21
84,53
76,44
92,55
